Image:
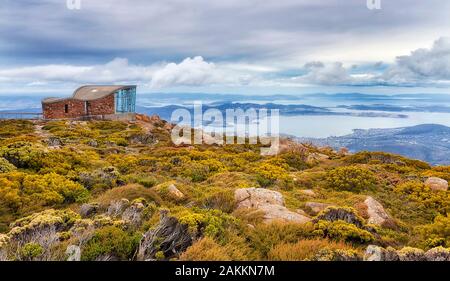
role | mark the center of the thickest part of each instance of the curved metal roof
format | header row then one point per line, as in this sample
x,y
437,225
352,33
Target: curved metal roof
x,y
90,92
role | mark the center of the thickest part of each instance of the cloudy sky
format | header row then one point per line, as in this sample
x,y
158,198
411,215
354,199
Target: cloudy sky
x,y
232,46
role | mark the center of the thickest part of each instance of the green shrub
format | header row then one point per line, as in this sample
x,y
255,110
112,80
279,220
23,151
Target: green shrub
x,y
270,171
5,166
12,128
30,251
20,192
50,189
212,223
436,233
351,178
23,155
295,160
342,231
418,192
367,157
112,241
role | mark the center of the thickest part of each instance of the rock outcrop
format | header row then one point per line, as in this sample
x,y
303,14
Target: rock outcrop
x,y
377,253
438,254
411,254
73,253
314,207
175,192
377,214
316,157
133,214
88,209
270,202
436,184
308,192
54,142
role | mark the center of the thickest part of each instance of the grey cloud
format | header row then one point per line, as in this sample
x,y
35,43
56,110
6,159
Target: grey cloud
x,y
422,66
318,73
221,29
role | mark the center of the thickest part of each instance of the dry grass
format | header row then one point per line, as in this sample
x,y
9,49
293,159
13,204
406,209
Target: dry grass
x,y
130,192
303,249
205,249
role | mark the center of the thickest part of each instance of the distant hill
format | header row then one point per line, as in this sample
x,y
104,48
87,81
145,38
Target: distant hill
x,y
284,109
427,142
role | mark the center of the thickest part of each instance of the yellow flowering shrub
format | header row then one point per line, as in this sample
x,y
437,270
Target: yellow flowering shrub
x,y
351,178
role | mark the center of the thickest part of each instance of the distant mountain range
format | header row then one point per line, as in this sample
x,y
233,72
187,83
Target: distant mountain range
x,y
427,142
165,112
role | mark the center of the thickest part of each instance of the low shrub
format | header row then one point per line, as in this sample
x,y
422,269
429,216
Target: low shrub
x,y
342,231
30,251
5,166
221,200
418,192
351,178
12,128
112,242
436,233
23,155
212,223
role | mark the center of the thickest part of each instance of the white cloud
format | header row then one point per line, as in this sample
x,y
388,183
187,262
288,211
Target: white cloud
x,y
114,71
423,67
190,72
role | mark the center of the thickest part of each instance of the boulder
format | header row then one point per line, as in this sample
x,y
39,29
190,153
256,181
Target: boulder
x,y
316,157
301,212
54,142
144,138
92,143
436,183
88,209
270,202
276,212
374,253
315,207
175,192
4,239
133,214
438,254
255,197
308,192
73,253
377,214
377,253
